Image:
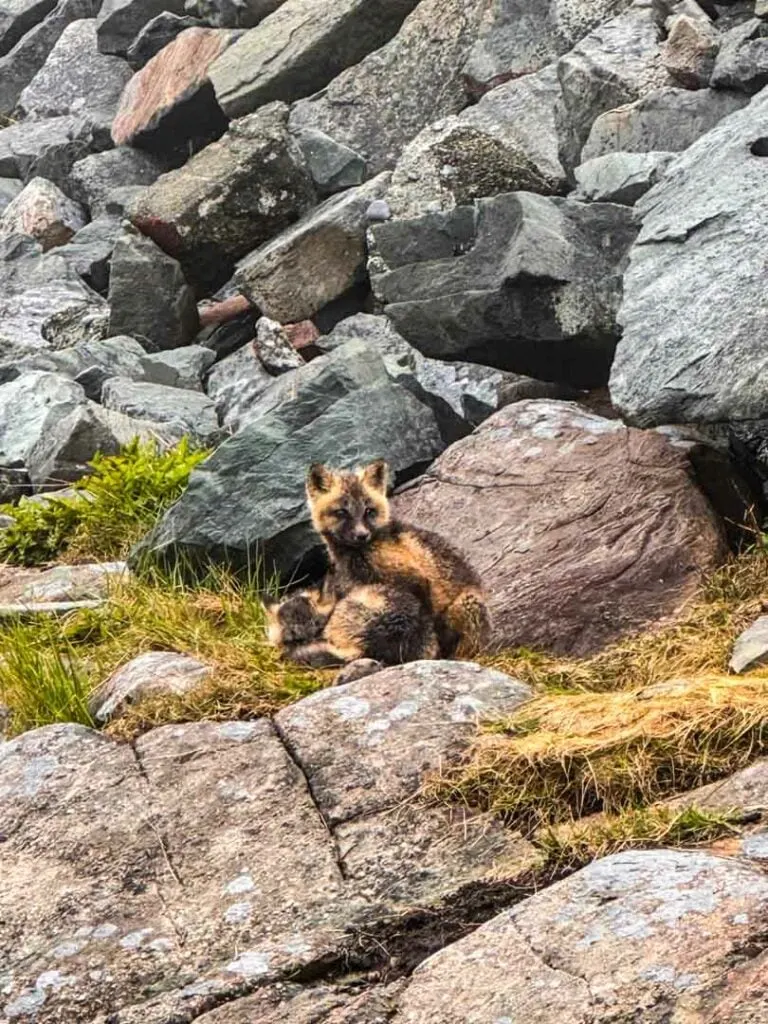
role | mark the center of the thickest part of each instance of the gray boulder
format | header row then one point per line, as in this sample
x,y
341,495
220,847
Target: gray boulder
x,y
120,21
18,17
166,315
27,404
519,37
274,349
91,363
522,282
616,64
89,251
299,48
14,484
342,408
315,261
76,78
667,119
229,198
472,391
179,368
184,411
742,62
20,65
236,384
94,178
84,322
751,647
42,211
380,104
693,313
46,149
9,189
157,34
620,177
332,165
35,286
151,673
508,142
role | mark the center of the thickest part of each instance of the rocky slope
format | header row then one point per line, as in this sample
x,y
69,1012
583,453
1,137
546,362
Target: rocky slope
x,y
516,248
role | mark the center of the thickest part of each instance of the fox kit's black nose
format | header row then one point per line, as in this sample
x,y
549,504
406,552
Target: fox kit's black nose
x,y
362,534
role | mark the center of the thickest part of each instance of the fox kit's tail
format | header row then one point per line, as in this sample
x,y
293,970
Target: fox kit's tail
x,y
469,622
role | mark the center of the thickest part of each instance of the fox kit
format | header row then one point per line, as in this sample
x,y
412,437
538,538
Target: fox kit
x,y
350,511
372,622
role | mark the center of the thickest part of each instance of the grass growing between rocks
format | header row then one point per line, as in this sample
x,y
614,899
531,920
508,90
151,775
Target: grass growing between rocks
x,y
119,502
49,669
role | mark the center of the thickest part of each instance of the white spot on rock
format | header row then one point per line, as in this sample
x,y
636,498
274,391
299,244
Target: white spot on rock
x,y
243,883
133,940
238,913
350,708
251,964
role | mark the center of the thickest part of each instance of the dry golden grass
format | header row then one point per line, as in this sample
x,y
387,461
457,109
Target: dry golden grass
x,y
50,668
566,755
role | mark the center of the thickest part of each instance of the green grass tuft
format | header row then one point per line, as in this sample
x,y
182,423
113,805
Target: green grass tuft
x,y
113,507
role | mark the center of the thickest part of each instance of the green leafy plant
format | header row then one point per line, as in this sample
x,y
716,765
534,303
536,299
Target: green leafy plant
x,y
111,509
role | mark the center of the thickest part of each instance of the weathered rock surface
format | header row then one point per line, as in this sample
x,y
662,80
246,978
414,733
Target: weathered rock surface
x,y
84,322
512,282
34,287
616,64
472,391
690,49
170,102
92,362
509,141
751,647
76,78
179,368
184,411
232,13
342,408
231,197
314,261
42,211
86,585
166,316
742,62
17,17
274,349
236,384
620,177
519,37
380,104
120,21
94,178
693,315
299,48
20,65
46,149
89,252
606,938
157,34
211,827
332,165
154,672
667,119
9,189
581,528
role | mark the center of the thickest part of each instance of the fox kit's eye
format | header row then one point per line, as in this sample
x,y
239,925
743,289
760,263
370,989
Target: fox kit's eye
x,y
370,514
341,513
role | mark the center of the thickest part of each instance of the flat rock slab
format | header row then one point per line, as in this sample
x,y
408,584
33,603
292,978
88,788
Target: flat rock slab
x,y
751,648
299,48
602,946
211,872
620,177
581,528
389,729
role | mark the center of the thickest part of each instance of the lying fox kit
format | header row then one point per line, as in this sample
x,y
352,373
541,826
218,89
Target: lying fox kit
x,y
367,547
372,622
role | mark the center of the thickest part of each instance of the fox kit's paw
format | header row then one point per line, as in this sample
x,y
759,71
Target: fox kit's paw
x,y
358,669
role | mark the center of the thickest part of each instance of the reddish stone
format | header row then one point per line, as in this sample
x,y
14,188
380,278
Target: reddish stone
x,y
175,76
302,335
222,312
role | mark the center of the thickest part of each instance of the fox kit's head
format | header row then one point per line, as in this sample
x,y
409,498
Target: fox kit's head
x,y
348,509
294,620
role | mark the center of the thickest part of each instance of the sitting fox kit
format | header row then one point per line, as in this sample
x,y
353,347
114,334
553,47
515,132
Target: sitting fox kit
x,y
394,593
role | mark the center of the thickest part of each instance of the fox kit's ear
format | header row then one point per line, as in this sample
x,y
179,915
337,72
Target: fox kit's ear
x,y
319,479
376,476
